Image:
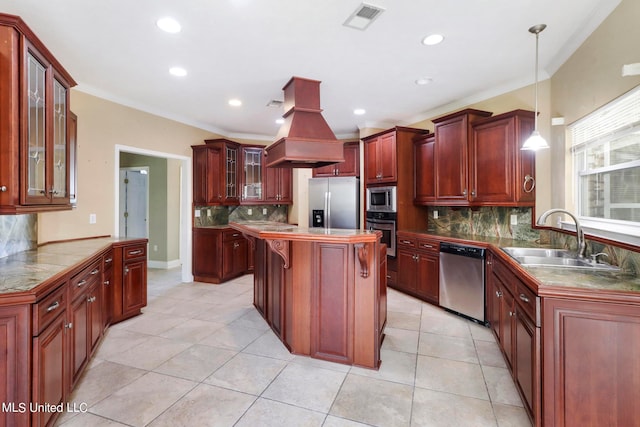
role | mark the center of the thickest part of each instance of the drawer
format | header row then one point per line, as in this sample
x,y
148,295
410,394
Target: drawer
x,y
46,310
107,260
87,277
406,242
528,301
135,251
229,235
428,244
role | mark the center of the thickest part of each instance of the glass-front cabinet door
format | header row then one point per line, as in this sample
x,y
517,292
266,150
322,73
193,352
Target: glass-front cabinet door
x,y
46,133
36,130
252,174
231,170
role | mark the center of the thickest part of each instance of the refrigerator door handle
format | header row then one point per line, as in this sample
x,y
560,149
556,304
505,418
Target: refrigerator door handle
x,y
327,196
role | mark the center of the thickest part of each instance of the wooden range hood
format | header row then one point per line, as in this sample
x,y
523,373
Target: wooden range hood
x,y
305,139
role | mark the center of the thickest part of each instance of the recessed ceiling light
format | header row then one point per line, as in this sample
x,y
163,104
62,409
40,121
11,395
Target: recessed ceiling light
x,y
177,71
169,25
423,81
359,111
433,39
279,121
235,102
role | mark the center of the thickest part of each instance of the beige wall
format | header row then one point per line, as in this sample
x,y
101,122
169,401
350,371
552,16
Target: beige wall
x,y
102,125
590,78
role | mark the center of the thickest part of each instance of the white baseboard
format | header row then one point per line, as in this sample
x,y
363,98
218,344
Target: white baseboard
x,y
164,265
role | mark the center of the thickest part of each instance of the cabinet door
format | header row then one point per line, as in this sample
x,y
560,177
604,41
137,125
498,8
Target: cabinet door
x,y
134,286
492,162
591,370
206,176
424,169
60,146
278,183
252,175
96,322
371,161
406,279
234,258
451,161
79,329
206,254
50,369
231,175
325,171
427,284
351,164
506,323
107,296
275,293
387,159
259,277
525,349
15,340
286,185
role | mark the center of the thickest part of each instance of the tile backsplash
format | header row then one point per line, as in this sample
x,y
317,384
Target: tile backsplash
x,y
18,233
494,221
206,216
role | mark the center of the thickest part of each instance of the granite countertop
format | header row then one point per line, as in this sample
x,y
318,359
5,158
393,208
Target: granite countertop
x,y
552,276
279,230
24,271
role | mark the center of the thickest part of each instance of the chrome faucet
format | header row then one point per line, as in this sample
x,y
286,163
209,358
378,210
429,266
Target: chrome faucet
x,y
582,244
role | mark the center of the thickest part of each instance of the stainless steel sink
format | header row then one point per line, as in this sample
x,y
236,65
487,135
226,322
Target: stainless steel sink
x,y
538,252
560,258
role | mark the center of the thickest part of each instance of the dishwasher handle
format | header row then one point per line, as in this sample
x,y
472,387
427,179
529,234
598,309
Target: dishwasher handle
x,y
462,250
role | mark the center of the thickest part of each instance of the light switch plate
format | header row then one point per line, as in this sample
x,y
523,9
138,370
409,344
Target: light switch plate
x,y
514,219
264,211
435,214
92,218
249,211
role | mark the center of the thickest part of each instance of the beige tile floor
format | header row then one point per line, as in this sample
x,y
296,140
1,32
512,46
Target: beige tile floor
x,y
200,355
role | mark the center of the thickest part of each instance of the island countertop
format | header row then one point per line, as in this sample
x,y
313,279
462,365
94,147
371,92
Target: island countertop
x,y
283,231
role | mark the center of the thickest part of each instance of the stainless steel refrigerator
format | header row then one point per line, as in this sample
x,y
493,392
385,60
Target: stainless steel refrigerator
x,y
334,202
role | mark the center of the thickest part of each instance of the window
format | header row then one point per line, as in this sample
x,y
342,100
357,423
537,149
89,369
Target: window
x,y
606,163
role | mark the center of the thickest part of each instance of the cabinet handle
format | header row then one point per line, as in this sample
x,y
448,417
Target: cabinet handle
x,y
236,245
236,234
529,183
511,313
82,283
126,270
524,298
473,193
489,263
464,192
406,242
95,271
3,188
108,260
69,325
424,245
499,294
106,283
136,252
388,277
53,306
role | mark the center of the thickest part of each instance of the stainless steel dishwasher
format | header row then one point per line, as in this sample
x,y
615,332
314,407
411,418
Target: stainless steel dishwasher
x,y
462,280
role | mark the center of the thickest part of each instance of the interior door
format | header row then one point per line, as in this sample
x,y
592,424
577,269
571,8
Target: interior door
x,y
134,202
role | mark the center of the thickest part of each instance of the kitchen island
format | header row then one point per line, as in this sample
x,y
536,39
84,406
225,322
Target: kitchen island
x,y
322,291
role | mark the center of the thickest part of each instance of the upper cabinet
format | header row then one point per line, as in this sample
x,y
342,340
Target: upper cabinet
x,y
350,166
452,156
477,161
216,172
380,159
252,176
35,126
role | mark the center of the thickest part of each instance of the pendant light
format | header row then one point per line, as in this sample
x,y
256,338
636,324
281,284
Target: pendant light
x,y
536,141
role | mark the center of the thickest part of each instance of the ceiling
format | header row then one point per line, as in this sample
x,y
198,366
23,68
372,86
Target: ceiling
x,y
249,49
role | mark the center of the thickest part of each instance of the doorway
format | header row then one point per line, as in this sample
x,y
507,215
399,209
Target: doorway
x,y
134,202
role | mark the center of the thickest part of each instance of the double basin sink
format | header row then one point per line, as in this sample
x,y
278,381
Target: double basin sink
x,y
561,258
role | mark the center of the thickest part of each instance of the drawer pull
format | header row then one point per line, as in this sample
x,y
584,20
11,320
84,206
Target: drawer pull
x,y
524,298
69,325
53,306
498,294
235,234
406,242
424,245
82,282
95,271
106,282
108,260
136,252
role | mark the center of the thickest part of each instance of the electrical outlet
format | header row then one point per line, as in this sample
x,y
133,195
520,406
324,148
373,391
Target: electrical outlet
x,y
209,212
197,212
264,211
155,248
435,214
514,219
249,211
92,218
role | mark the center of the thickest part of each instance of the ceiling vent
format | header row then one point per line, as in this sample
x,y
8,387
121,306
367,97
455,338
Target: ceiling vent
x,y
363,16
275,103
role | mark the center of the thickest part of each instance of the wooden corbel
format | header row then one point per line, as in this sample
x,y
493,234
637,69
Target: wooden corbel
x,y
281,247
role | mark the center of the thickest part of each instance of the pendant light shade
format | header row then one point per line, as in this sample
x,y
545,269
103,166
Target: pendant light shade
x,y
536,141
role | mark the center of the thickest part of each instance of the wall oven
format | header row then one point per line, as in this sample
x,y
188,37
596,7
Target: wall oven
x,y
384,222
381,199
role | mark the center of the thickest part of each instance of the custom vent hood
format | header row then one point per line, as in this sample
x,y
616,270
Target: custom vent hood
x,y
305,139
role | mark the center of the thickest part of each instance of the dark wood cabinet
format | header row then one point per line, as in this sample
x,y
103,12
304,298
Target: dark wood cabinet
x,y
107,288
219,254
216,173
252,176
514,315
424,170
129,280
350,166
34,112
380,158
418,266
15,370
452,135
501,173
279,185
591,353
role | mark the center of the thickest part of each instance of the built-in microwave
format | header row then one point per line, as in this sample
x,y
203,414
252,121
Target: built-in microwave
x,y
381,199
